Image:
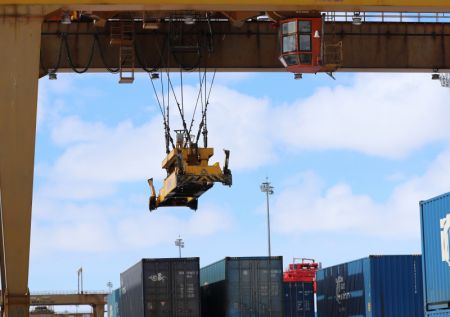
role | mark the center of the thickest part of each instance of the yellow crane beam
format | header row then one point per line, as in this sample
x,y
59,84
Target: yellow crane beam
x,y
252,5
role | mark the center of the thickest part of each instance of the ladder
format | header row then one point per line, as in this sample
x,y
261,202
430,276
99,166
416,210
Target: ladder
x,y
122,35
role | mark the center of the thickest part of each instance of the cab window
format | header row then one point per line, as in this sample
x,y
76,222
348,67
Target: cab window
x,y
289,43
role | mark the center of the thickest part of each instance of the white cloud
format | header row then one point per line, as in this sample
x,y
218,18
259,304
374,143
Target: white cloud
x,y
383,115
105,227
161,226
337,209
241,123
71,129
97,158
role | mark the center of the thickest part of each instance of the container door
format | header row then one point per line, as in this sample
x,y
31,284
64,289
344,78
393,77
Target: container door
x,y
186,292
305,300
298,299
269,279
254,288
240,291
157,289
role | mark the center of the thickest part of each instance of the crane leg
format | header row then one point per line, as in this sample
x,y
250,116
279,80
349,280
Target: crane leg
x,y
99,310
20,31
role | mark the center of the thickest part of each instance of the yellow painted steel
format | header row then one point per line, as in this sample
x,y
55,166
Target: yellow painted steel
x,y
324,5
189,176
19,59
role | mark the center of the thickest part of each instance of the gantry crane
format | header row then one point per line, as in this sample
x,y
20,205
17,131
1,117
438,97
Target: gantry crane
x,y
249,35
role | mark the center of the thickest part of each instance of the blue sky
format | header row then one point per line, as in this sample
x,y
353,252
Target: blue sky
x,y
349,159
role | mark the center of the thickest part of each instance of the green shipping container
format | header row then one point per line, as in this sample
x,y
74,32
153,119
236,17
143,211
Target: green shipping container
x,y
243,287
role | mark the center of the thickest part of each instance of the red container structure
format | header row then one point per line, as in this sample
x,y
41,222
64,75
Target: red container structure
x,y
304,271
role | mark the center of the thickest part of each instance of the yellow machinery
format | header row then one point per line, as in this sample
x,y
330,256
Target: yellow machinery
x,y
189,175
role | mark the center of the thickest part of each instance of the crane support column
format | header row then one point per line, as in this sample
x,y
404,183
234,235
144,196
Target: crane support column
x,y
20,33
99,310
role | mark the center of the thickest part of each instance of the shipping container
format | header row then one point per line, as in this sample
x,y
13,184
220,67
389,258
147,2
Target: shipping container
x,y
161,288
435,226
377,286
243,287
298,299
113,302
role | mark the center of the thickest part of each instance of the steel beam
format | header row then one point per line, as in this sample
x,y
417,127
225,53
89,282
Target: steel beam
x,y
19,64
392,47
262,5
69,299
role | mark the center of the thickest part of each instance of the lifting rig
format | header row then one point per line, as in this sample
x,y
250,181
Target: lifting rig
x,y
189,174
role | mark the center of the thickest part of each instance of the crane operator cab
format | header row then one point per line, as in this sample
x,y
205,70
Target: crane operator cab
x,y
189,174
302,48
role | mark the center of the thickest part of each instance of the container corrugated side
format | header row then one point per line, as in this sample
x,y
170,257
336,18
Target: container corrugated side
x,y
113,302
169,287
377,286
298,299
396,286
213,273
172,287
131,285
252,287
341,290
435,221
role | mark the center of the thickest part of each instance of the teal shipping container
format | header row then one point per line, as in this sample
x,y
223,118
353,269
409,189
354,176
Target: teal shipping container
x,y
243,287
376,286
113,302
435,229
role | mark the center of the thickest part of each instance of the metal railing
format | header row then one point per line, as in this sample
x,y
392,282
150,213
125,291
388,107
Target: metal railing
x,y
67,292
400,17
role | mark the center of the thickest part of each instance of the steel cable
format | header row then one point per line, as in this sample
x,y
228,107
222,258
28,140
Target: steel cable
x,y
69,56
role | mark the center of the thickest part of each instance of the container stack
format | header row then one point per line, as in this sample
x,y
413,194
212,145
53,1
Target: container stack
x,y
245,286
299,288
161,288
435,227
377,286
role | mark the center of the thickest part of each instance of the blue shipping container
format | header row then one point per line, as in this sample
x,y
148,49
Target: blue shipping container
x,y
113,302
298,299
377,286
435,226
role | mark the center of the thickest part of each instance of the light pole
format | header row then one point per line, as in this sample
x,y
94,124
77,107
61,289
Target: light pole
x,y
268,189
110,286
180,244
80,280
